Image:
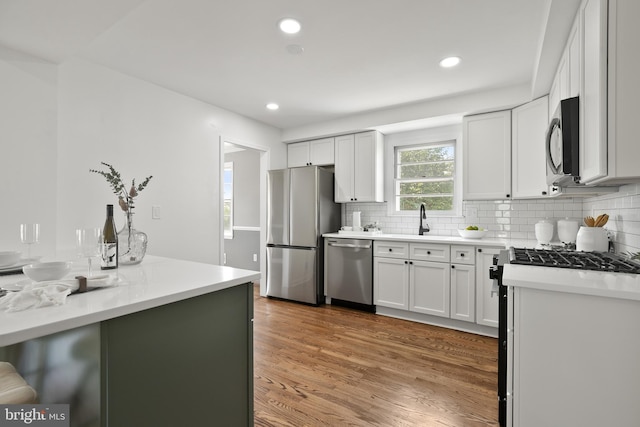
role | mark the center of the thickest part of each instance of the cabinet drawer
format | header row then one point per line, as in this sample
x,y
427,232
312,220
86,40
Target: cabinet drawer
x,y
428,252
391,249
462,254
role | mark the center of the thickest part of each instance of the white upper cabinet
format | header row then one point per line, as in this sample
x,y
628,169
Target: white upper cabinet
x,y
624,91
593,99
609,91
317,152
529,127
486,142
359,168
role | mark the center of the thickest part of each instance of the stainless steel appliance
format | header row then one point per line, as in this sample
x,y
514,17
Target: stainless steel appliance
x,y
558,258
349,275
300,208
562,144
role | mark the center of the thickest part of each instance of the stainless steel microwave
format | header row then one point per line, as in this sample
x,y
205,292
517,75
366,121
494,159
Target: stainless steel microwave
x,y
563,144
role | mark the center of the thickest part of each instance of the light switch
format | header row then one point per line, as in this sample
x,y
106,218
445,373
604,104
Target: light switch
x,y
155,212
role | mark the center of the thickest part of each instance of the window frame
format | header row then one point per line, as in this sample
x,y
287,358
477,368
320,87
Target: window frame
x,y
227,233
424,137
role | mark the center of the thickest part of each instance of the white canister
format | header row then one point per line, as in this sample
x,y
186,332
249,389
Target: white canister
x,y
544,231
568,230
592,239
356,221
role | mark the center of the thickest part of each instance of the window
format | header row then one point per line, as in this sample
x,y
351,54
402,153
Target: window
x,y
425,174
228,200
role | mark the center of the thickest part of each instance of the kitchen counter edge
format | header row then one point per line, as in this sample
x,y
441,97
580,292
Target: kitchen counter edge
x,y
445,240
155,282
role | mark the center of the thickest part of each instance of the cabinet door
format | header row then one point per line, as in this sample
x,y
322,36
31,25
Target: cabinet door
x,y
344,156
367,168
529,173
486,302
298,154
487,156
593,100
429,288
391,282
463,292
574,62
321,151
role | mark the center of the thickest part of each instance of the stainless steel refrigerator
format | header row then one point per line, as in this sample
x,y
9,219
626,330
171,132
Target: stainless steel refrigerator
x,y
300,208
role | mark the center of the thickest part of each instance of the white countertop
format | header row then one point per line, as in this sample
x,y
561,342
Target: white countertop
x,y
156,281
585,282
452,240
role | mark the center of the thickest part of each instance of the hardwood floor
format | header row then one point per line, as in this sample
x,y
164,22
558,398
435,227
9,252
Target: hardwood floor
x,y
333,366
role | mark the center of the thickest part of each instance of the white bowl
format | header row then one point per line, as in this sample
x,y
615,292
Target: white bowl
x,y
472,234
8,258
41,271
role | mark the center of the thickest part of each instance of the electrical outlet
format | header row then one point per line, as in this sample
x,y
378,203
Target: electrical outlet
x,y
255,257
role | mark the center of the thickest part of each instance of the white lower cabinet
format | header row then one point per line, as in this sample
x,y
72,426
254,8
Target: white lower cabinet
x,y
433,279
429,287
463,292
390,282
486,300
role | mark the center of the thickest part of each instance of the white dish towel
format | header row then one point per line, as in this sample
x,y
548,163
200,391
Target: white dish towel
x,y
49,293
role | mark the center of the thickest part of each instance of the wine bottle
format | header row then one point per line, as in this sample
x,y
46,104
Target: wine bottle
x,y
109,242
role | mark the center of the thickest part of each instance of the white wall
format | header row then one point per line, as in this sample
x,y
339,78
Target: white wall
x,y
142,130
27,149
58,121
469,103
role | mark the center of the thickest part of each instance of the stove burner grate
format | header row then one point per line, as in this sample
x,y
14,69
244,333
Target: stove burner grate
x,y
560,258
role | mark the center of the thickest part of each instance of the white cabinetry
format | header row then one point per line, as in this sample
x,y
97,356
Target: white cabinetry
x,y
486,300
603,70
487,156
317,152
391,274
530,122
574,355
420,278
623,150
593,105
463,283
359,168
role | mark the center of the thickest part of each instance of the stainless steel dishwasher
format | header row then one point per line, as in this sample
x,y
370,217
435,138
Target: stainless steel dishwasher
x,y
349,272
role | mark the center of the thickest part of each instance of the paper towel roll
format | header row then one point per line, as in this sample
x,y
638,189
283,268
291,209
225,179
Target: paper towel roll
x,y
356,220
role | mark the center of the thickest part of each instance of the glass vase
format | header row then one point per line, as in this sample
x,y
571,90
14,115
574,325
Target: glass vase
x,y
132,243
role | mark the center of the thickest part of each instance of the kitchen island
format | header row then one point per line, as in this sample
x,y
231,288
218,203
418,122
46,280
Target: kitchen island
x,y
572,347
171,344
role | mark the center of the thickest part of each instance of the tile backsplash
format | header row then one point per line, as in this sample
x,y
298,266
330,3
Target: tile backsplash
x,y
515,219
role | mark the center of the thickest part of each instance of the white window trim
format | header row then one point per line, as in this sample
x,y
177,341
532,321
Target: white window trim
x,y
228,234
423,137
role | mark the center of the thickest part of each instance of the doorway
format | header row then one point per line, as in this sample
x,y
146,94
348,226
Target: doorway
x,y
243,193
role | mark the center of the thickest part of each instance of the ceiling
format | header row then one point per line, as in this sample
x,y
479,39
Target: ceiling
x,y
359,55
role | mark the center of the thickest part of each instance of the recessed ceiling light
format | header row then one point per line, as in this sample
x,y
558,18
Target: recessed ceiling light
x,y
449,62
289,26
272,106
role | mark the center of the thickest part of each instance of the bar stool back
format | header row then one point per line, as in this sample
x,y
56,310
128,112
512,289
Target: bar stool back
x,y
13,388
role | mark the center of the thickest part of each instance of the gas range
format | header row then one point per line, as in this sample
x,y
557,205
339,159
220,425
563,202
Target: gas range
x,y
563,258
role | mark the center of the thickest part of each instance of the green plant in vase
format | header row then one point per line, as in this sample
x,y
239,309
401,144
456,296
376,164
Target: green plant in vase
x,y
131,242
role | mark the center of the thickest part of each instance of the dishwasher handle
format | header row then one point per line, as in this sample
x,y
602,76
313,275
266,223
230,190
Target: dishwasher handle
x,y
349,245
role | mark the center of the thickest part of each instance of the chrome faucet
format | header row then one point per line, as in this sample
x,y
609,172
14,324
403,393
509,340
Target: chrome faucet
x,y
423,215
